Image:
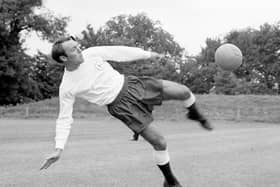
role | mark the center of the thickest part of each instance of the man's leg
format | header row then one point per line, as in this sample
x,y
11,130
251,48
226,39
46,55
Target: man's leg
x,y
176,91
161,156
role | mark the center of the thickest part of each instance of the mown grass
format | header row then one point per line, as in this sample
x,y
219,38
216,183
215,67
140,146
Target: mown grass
x,y
262,108
99,153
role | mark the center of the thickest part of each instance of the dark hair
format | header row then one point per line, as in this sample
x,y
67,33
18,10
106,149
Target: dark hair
x,y
57,49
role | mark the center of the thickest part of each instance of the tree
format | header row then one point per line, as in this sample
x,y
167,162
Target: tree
x,y
244,39
16,83
260,67
225,83
200,79
47,75
207,54
267,41
260,52
204,69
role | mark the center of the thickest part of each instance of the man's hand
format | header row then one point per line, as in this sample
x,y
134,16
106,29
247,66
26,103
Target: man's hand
x,y
51,159
156,56
135,136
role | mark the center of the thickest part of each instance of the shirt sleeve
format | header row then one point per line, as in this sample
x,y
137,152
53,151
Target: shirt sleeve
x,y
118,53
64,120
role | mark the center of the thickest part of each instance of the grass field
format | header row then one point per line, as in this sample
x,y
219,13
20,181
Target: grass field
x,y
242,151
100,154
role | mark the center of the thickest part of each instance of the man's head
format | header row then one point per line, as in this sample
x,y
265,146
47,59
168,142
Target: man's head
x,y
67,51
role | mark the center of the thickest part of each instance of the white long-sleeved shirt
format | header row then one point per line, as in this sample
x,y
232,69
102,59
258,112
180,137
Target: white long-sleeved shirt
x,y
94,80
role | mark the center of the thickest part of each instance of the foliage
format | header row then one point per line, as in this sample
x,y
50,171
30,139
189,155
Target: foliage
x,y
16,80
198,78
225,83
47,75
24,78
259,72
207,54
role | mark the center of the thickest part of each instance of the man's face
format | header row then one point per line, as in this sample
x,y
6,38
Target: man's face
x,y
73,52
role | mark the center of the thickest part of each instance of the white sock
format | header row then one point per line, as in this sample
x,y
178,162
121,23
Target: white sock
x,y
191,100
161,157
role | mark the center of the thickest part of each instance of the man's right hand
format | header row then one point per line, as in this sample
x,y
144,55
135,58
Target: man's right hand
x,y
51,159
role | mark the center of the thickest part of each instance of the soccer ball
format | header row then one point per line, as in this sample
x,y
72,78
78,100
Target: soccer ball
x,y
228,57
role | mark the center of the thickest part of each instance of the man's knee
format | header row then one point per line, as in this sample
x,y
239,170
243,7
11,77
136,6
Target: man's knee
x,y
182,93
160,143
186,93
173,90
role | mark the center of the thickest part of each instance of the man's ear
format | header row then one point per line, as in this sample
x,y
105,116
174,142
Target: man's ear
x,y
63,58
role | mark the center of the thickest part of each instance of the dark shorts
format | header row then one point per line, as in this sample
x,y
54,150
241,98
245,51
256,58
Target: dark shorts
x,y
136,100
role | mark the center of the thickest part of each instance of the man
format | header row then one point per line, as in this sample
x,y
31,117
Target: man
x,y
131,99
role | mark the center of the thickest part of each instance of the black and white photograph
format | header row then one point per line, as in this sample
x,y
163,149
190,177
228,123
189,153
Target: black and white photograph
x,y
148,93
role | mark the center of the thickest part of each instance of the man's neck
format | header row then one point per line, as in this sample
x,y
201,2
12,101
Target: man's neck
x,y
71,67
